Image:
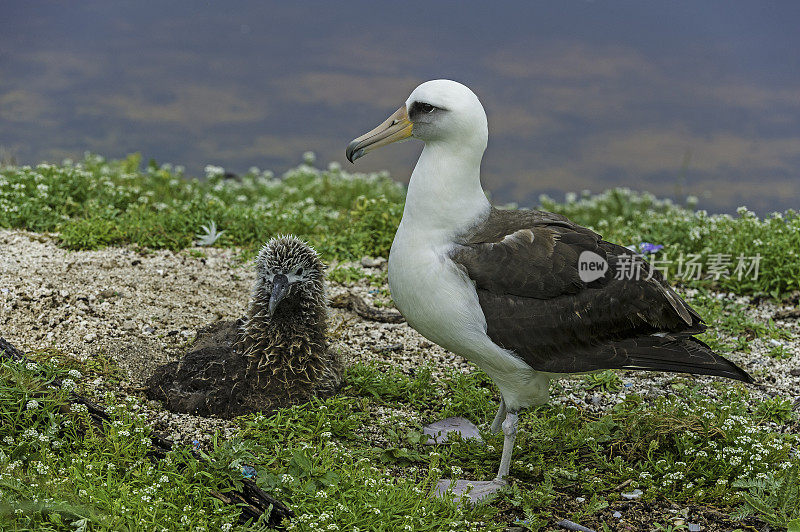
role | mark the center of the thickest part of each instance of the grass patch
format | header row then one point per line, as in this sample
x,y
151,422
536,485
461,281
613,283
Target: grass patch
x,y
58,473
357,460
97,203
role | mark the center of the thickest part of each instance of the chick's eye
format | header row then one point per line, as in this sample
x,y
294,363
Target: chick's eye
x,y
299,271
427,108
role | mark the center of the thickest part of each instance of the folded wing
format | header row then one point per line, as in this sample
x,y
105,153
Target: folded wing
x,y
525,265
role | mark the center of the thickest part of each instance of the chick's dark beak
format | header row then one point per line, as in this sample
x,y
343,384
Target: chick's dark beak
x,y
280,286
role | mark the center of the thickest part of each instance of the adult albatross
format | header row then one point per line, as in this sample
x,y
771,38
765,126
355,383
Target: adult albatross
x,y
504,288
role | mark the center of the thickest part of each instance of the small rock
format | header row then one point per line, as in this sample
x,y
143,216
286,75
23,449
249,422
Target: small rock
x,y
571,525
693,527
64,293
438,431
370,262
390,347
129,325
635,494
147,329
794,372
617,515
107,293
775,343
679,522
580,499
89,338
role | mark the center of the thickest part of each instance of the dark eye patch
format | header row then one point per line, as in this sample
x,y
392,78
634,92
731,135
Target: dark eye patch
x,y
421,108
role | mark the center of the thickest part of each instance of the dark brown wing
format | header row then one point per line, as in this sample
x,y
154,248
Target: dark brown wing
x,y
525,265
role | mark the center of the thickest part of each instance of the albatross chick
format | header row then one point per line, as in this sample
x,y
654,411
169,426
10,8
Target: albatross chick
x,y
275,357
505,289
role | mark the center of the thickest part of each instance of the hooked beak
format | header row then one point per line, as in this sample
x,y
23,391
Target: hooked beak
x,y
397,127
280,286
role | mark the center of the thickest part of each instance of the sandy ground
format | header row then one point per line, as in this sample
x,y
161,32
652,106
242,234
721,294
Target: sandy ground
x,y
141,308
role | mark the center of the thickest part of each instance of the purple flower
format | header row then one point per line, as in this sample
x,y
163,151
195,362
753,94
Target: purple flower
x,y
647,247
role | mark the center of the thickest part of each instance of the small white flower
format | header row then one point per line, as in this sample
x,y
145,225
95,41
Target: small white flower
x,y
214,171
32,404
75,374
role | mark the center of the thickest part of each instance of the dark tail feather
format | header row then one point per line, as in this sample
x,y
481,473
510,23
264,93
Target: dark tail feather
x,y
680,354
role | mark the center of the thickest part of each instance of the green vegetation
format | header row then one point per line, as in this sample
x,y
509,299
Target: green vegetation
x,y
357,461
623,216
58,473
96,203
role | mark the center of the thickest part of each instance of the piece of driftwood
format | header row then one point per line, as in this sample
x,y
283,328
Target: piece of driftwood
x,y
252,500
357,304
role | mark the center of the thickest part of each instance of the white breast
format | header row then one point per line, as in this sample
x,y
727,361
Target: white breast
x,y
438,300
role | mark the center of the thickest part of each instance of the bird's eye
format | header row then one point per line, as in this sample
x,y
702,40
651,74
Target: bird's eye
x,y
299,271
427,108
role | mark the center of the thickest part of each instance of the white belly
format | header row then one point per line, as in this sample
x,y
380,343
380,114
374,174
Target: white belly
x,y
439,301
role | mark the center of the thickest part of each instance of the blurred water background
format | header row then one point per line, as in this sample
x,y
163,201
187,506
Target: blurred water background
x,y
677,98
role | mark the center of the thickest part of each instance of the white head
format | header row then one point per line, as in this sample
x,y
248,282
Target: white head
x,y
438,111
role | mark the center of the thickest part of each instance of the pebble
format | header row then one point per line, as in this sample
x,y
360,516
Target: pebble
x,y
635,494
693,527
580,499
373,262
617,515
89,338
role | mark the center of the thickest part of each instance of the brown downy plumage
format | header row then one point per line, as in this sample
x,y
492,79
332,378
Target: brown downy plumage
x,y
285,340
277,356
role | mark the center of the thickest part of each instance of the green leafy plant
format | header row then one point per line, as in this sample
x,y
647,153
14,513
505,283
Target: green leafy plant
x,y
776,497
